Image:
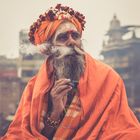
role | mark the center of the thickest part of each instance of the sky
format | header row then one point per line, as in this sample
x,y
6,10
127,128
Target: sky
x,y
20,14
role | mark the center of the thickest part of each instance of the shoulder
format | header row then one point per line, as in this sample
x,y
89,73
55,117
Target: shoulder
x,y
30,84
102,69
32,80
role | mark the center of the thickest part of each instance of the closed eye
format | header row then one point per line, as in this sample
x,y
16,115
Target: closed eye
x,y
62,37
75,35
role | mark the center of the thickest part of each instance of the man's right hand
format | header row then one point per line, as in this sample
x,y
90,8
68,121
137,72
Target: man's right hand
x,y
59,96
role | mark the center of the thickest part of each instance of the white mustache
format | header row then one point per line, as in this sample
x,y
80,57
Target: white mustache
x,y
59,51
62,51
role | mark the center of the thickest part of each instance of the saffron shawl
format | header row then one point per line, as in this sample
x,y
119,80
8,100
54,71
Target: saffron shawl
x,y
106,114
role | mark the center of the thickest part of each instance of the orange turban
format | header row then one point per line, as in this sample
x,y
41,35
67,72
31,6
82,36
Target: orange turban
x,y
45,27
48,28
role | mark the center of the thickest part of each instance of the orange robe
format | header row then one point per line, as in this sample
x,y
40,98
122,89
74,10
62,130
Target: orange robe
x,y
106,114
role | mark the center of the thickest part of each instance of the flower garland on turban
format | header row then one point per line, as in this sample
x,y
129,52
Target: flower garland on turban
x,y
43,29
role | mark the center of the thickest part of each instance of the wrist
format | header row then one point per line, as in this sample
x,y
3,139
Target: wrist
x,y
55,115
51,123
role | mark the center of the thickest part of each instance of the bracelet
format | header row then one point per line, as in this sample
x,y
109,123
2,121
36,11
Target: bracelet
x,y
51,123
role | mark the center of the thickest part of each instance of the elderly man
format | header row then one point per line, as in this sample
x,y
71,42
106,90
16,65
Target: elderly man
x,y
73,96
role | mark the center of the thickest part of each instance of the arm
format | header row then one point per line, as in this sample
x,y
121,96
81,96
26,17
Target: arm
x,y
57,95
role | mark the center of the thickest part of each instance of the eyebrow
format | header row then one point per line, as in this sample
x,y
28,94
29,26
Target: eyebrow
x,y
62,33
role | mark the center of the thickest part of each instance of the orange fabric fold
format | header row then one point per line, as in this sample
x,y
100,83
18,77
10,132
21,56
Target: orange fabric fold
x,y
106,114
48,28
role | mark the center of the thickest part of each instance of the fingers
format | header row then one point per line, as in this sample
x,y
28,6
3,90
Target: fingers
x,y
60,85
62,81
65,91
60,90
62,93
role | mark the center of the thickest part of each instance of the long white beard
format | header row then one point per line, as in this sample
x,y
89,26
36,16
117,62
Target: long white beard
x,y
69,63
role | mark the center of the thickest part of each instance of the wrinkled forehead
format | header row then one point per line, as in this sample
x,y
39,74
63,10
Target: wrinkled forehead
x,y
64,27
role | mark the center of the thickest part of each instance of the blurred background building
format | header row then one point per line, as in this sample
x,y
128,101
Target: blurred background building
x,y
121,51
28,63
9,85
14,75
9,90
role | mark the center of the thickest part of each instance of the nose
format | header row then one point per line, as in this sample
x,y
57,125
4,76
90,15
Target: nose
x,y
70,42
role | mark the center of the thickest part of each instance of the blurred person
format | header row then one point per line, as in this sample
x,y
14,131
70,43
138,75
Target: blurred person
x,y
73,96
